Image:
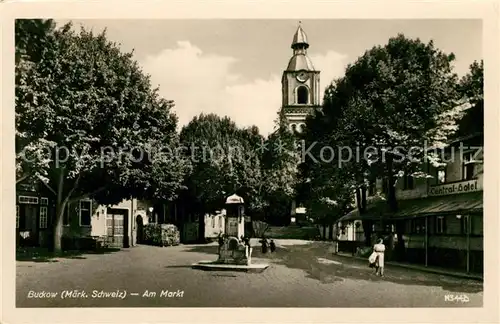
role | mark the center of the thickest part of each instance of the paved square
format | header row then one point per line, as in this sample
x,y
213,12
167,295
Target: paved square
x,y
299,276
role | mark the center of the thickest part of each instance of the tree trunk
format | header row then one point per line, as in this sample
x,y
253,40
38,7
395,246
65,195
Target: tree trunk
x,y
330,231
58,226
201,225
358,201
60,207
391,190
363,198
393,205
324,231
367,224
400,247
367,230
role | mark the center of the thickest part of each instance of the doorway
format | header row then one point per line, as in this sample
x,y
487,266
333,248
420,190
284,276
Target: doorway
x,y
29,224
117,227
140,229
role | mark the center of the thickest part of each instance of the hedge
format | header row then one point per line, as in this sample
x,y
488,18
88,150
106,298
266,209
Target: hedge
x,y
161,234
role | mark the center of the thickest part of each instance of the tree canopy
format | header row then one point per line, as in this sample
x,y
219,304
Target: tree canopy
x,y
224,162
393,103
89,124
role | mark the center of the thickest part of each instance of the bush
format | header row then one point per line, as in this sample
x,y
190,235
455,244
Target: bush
x,y
69,243
161,234
260,228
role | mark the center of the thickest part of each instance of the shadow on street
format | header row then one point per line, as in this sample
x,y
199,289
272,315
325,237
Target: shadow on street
x,y
305,257
44,255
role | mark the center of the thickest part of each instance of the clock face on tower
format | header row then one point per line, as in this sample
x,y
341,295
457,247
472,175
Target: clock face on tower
x,y
302,76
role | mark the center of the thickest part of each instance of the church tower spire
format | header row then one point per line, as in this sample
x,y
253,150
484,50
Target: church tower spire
x,y
300,83
299,43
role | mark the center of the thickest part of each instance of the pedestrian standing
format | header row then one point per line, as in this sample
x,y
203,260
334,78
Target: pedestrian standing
x,y
379,248
272,246
264,245
221,241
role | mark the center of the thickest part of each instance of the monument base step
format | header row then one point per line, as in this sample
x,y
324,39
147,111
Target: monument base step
x,y
213,266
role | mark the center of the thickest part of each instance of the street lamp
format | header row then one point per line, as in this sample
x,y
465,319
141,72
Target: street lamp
x,y
150,214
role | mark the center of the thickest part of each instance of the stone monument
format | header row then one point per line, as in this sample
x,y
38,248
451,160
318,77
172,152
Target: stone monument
x,y
234,254
235,220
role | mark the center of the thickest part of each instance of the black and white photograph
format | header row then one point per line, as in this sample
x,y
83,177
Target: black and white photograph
x,y
256,163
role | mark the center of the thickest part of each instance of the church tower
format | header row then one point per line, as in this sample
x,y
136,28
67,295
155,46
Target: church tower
x,y
300,84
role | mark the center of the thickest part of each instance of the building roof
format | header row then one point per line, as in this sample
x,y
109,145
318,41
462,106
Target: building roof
x,y
468,202
300,38
300,210
300,62
411,208
234,199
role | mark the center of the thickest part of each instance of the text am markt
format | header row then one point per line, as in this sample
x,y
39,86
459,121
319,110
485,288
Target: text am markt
x,y
164,294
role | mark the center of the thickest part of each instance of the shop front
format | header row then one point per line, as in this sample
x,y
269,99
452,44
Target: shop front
x,y
443,231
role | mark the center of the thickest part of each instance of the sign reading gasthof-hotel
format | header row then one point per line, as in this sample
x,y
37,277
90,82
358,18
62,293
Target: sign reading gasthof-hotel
x,y
455,188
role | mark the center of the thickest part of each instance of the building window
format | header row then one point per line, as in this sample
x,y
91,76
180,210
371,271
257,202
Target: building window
x,y
17,216
440,225
464,224
43,217
408,182
371,188
441,176
28,200
66,215
302,95
468,173
468,166
114,224
85,212
44,201
27,187
213,221
385,187
418,226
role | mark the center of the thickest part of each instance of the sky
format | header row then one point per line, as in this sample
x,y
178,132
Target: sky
x,y
234,67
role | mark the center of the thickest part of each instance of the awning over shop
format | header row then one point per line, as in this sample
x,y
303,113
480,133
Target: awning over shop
x,y
374,211
452,204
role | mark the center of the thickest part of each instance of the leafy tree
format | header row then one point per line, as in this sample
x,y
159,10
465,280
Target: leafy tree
x,y
93,124
280,160
328,183
391,103
471,88
31,37
403,98
472,84
223,162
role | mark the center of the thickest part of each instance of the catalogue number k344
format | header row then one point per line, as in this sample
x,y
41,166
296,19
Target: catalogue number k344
x,y
456,298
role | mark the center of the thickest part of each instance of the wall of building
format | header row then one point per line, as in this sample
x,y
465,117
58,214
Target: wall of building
x,y
352,231
419,190
73,228
454,168
98,226
214,224
447,248
291,85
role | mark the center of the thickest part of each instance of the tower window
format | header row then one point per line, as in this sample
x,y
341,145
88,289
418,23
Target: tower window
x,y
302,95
293,127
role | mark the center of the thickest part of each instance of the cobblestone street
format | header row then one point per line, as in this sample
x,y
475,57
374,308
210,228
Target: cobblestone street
x,y
299,276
